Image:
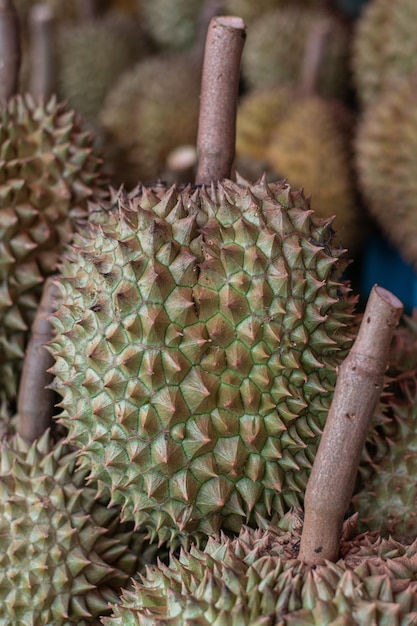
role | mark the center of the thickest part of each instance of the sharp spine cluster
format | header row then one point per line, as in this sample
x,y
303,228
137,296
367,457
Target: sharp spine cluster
x,y
196,352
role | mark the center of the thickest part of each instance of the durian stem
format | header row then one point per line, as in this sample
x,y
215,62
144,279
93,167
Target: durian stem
x,y
42,56
10,52
219,95
313,55
35,400
359,385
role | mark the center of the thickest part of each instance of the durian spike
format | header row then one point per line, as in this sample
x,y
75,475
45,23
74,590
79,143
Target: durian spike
x,y
10,50
219,95
359,385
35,400
315,48
42,56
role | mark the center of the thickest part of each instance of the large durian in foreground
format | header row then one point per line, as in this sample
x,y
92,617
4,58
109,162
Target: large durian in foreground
x,y
196,352
48,173
386,161
64,554
255,579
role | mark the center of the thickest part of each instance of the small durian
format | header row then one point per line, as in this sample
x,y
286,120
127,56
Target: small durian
x,y
384,47
198,338
48,173
311,147
386,162
255,579
91,57
65,555
258,113
172,25
275,50
146,119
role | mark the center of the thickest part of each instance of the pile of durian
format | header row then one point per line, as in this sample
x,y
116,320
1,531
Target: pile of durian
x,y
195,332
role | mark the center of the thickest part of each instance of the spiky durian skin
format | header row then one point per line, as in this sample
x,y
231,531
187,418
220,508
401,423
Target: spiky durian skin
x,y
387,493
275,50
318,156
92,55
386,151
384,47
146,118
256,580
48,173
64,554
196,352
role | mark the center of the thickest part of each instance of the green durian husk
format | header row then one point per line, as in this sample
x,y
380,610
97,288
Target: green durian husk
x,y
255,579
196,350
65,554
384,47
49,172
386,495
275,48
147,118
386,163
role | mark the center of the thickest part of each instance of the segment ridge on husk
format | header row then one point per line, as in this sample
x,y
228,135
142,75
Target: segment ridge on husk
x,y
197,343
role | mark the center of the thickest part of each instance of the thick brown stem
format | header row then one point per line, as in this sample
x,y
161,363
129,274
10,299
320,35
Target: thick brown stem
x,y
35,400
219,95
10,52
313,55
42,54
359,385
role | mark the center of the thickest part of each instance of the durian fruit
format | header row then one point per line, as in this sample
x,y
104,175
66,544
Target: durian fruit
x,y
258,113
275,50
387,496
196,352
386,161
172,25
384,47
255,579
48,173
92,55
311,147
146,118
65,555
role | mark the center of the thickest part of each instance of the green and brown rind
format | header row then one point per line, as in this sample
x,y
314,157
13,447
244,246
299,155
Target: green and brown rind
x,y
64,554
255,579
48,174
198,339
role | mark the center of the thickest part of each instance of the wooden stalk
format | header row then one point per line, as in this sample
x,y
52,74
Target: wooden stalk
x,y
219,95
42,55
314,51
10,51
359,385
35,400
